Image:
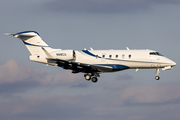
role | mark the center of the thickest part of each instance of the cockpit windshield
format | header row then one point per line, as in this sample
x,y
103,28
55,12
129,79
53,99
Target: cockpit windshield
x,y
155,53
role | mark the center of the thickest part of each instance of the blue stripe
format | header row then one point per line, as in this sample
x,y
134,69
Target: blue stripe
x,y
115,66
34,45
27,32
89,53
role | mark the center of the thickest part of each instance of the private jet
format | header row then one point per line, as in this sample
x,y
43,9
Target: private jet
x,y
93,62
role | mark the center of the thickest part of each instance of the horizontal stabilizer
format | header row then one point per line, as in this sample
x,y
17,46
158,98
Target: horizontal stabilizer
x,y
24,34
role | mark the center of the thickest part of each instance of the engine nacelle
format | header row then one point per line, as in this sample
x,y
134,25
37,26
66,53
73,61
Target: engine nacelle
x,y
65,54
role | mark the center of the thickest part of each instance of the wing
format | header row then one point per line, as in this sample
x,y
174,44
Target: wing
x,y
77,67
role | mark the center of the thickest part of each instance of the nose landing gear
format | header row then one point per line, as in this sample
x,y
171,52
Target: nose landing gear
x,y
157,77
157,74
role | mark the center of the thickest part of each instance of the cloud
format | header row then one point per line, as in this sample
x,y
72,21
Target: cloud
x,y
42,108
48,107
103,105
101,101
18,78
126,94
12,72
124,77
149,95
105,6
80,85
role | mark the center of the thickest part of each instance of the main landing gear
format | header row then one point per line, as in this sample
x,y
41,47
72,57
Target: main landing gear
x,y
92,77
157,74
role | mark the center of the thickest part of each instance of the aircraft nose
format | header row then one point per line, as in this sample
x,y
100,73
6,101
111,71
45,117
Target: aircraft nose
x,y
173,63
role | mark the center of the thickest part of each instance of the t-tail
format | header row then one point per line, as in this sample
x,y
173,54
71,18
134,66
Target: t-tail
x,y
32,41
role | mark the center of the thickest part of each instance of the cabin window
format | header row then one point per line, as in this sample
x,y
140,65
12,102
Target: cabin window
x,y
103,56
129,56
123,56
110,56
152,53
116,56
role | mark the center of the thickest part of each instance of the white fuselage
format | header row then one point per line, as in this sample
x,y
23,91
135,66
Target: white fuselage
x,y
92,62
133,59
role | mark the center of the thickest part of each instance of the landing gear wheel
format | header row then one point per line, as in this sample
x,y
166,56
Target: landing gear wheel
x,y
87,77
94,79
157,77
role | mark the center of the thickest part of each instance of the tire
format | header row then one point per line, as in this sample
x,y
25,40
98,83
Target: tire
x,y
157,77
87,77
94,79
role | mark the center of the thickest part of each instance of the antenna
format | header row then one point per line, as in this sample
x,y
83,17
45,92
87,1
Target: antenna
x,y
91,48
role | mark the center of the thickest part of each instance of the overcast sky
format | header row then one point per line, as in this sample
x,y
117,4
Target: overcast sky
x,y
33,91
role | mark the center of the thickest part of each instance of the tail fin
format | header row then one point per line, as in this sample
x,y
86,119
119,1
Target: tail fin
x,y
32,41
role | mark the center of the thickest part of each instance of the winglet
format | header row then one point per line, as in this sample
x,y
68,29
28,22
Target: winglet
x,y
91,48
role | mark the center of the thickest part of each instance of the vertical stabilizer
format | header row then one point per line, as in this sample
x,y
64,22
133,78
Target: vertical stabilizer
x,y
32,41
